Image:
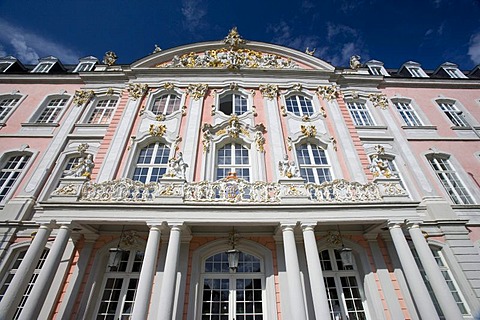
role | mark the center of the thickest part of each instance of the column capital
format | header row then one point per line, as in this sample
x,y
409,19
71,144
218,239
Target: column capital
x,y
412,224
287,225
308,227
394,224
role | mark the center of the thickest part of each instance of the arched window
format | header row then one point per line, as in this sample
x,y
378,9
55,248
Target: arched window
x,y
165,104
120,284
232,293
313,163
152,162
10,171
12,269
343,285
449,279
233,103
299,105
233,157
450,180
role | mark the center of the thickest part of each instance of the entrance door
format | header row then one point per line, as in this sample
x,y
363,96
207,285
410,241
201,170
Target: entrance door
x,y
232,294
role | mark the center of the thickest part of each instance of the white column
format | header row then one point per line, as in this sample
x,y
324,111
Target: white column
x,y
40,290
167,292
293,274
19,283
145,282
435,277
315,273
422,299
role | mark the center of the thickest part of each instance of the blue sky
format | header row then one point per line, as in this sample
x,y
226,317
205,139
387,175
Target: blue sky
x,y
427,31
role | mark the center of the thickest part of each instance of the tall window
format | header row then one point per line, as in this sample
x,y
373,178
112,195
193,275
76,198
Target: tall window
x,y
313,163
233,157
120,284
360,114
451,283
408,114
233,104
343,286
452,113
152,163
10,172
299,105
52,110
165,104
232,294
450,180
6,106
103,111
7,279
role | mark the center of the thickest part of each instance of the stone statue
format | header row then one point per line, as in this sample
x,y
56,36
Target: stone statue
x,y
379,167
355,62
177,167
288,168
110,58
83,168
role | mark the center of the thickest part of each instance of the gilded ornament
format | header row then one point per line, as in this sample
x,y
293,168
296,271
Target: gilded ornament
x,y
160,117
137,90
308,131
233,39
334,143
184,110
328,93
233,86
254,110
269,91
214,110
168,86
283,110
83,166
207,137
234,128
82,97
297,87
260,141
288,168
110,58
334,238
157,130
379,166
310,52
379,100
197,90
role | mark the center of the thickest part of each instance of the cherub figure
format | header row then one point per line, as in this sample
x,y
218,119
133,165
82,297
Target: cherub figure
x,y
288,168
355,62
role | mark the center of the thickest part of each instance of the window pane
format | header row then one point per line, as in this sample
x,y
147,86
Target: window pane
x,y
313,164
451,182
6,106
299,105
152,163
10,173
360,114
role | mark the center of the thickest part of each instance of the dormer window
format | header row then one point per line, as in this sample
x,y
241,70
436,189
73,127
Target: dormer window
x,y
4,65
376,68
454,73
86,64
43,67
10,64
415,72
412,69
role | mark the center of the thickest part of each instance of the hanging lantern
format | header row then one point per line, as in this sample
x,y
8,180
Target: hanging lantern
x,y
115,259
346,255
233,256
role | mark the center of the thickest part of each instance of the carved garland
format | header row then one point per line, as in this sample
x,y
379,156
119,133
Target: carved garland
x,y
379,100
82,97
269,91
137,90
197,90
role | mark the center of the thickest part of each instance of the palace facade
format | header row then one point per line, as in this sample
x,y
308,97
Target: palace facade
x,y
238,180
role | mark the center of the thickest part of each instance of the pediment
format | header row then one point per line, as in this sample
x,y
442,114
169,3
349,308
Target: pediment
x,y
234,55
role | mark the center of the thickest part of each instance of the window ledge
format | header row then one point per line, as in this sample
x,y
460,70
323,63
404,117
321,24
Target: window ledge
x,y
420,127
464,128
372,127
90,125
44,125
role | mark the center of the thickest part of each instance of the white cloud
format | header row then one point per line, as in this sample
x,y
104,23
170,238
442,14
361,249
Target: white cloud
x,y
193,11
28,46
3,53
474,48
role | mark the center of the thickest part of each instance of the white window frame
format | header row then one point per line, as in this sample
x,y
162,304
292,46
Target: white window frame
x,y
237,110
8,270
151,165
10,63
337,274
111,106
360,113
45,104
11,172
233,166
11,107
454,73
408,113
85,66
451,111
301,112
43,67
450,180
314,167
